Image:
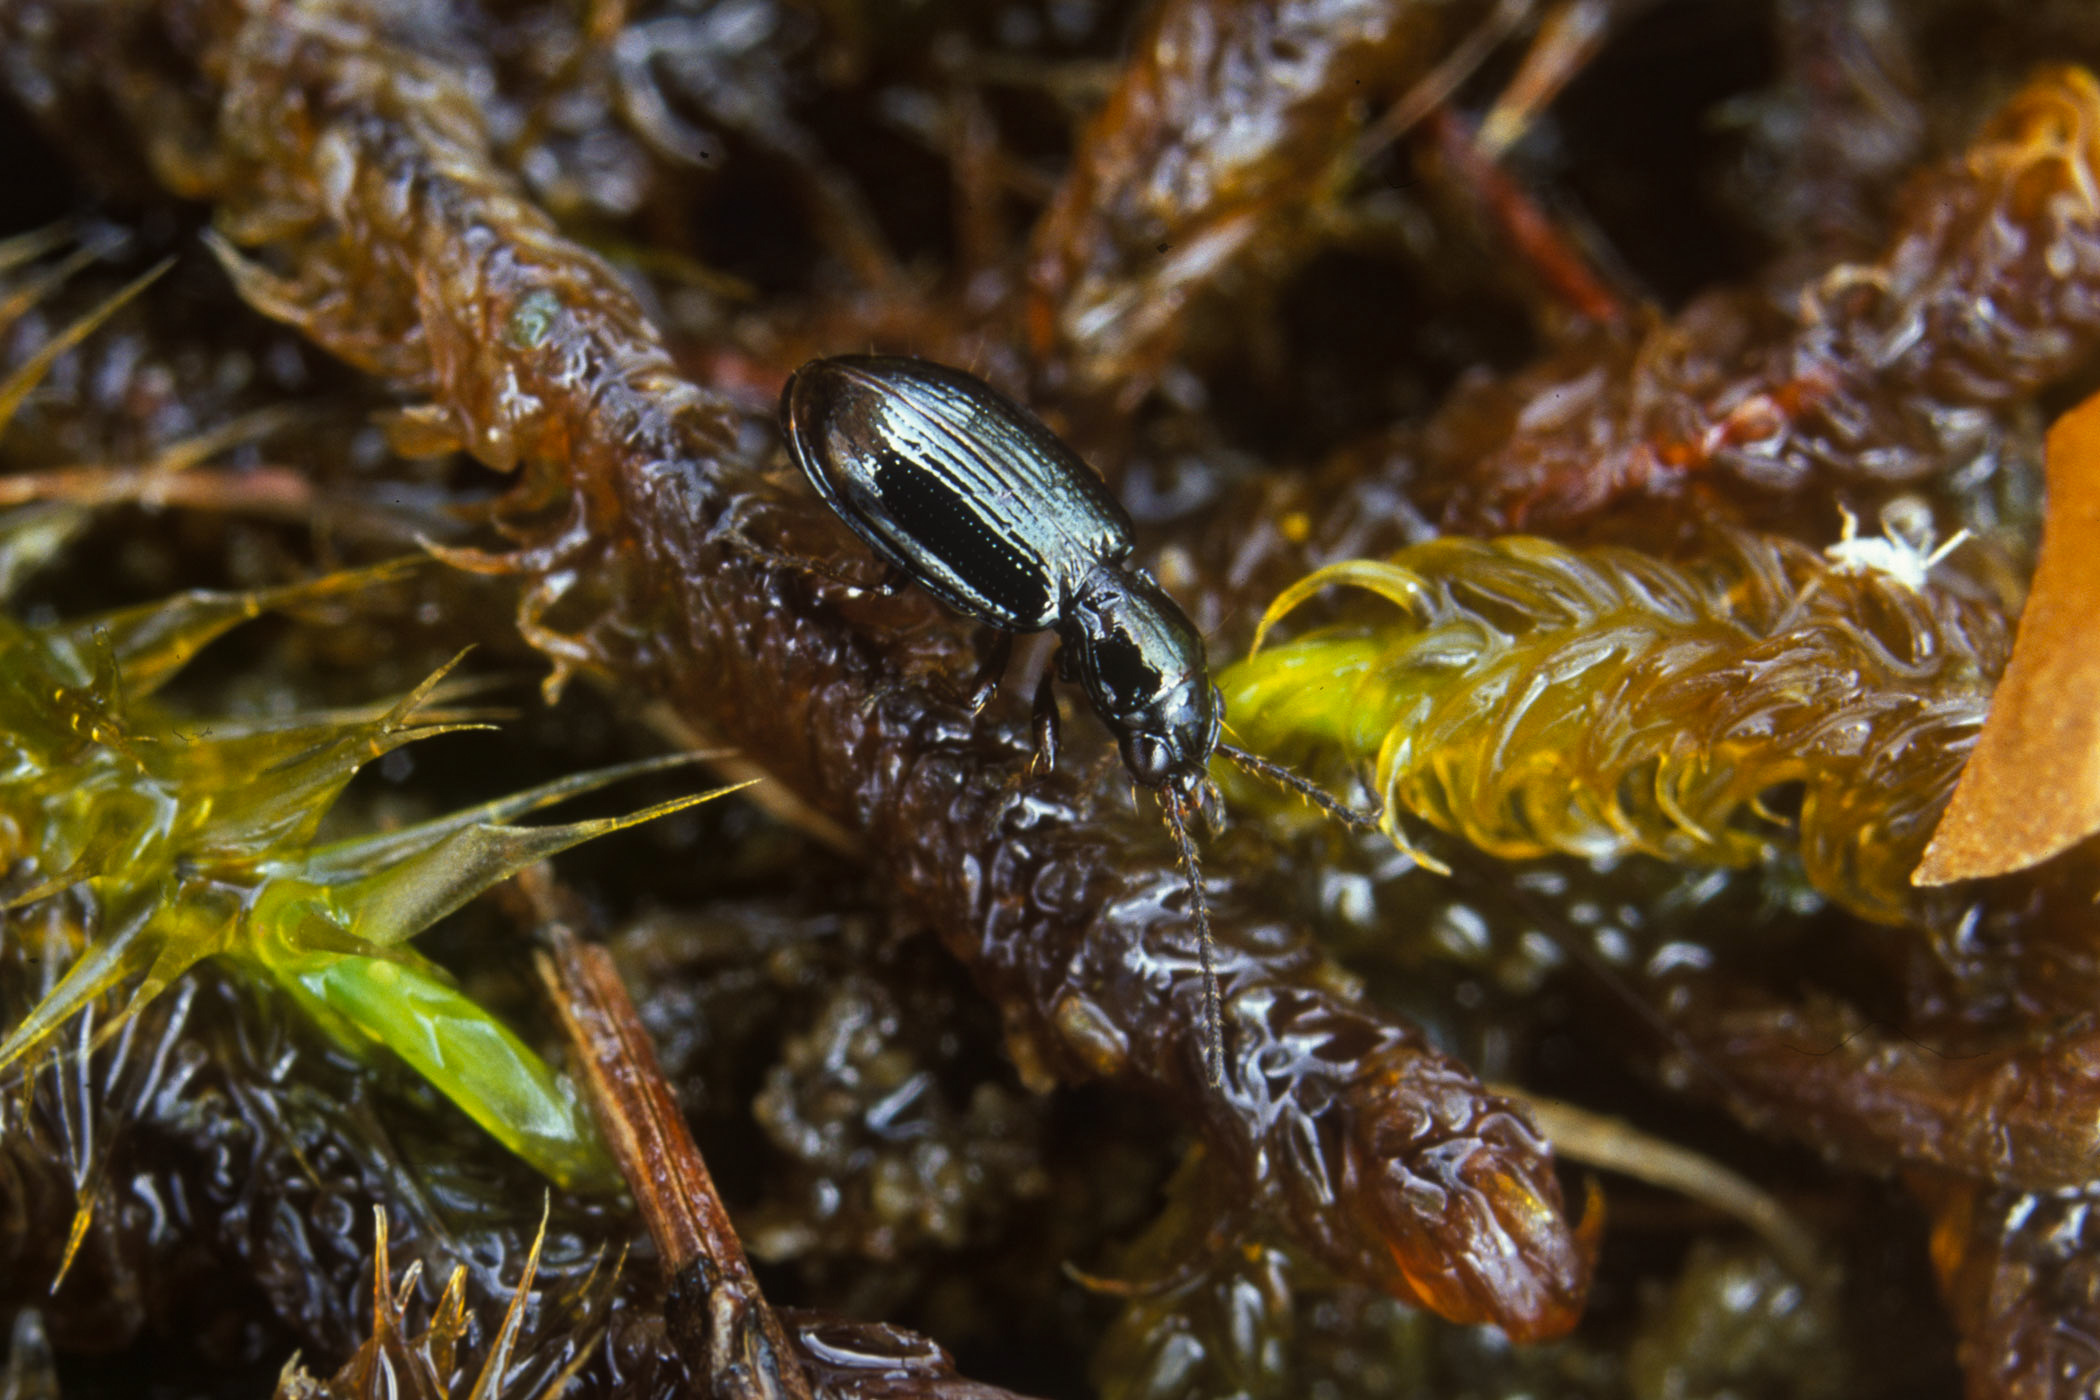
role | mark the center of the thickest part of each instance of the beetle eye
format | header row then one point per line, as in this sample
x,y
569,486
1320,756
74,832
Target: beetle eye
x,y
1149,759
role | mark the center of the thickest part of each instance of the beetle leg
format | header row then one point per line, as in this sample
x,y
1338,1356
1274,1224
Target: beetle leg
x,y
1043,761
986,683
892,581
1046,727
983,685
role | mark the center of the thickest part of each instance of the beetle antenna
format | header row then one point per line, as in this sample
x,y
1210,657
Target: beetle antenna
x,y
1213,1015
1284,778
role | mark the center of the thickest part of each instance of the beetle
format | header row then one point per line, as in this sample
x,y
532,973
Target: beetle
x,y
972,497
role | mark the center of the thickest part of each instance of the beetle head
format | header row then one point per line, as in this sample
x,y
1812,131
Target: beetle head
x,y
1169,746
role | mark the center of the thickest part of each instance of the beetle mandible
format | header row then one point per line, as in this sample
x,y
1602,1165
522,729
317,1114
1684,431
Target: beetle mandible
x,y
978,502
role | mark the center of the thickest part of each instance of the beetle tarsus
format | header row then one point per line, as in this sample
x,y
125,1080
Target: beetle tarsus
x,y
1044,720
892,581
986,683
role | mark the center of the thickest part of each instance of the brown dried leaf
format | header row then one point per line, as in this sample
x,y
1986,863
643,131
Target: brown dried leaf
x,y
2032,787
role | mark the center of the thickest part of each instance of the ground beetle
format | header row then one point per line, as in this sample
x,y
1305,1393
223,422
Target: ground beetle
x,y
974,499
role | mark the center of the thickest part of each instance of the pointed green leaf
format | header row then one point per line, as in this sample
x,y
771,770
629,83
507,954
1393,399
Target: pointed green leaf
x,y
395,904
363,853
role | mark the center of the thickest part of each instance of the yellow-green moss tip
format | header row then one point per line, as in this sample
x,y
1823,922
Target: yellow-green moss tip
x,y
1533,698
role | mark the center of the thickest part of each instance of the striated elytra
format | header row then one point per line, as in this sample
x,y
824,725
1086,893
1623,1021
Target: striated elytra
x,y
980,504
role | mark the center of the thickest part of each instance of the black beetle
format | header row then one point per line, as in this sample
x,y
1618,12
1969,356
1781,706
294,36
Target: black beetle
x,y
973,498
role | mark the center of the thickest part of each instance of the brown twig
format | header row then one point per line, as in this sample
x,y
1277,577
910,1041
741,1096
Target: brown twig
x,y
736,1343
717,1315
1552,257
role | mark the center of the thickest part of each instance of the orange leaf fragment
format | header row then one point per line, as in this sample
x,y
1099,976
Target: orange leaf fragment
x,y
2032,787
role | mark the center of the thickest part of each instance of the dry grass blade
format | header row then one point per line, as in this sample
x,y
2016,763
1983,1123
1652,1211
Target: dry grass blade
x,y
16,386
